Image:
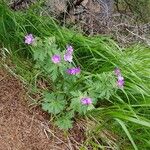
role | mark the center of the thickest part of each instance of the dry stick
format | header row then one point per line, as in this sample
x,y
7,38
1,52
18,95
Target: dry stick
x,y
69,143
73,139
48,130
142,38
46,134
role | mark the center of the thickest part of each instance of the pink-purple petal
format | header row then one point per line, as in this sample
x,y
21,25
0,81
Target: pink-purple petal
x,y
120,83
68,57
69,49
86,101
29,39
117,72
56,59
74,71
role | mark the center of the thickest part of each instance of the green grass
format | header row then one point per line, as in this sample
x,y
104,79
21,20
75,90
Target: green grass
x,y
125,114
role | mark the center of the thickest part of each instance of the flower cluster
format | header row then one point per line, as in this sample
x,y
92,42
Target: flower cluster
x,y
72,71
120,78
56,59
67,57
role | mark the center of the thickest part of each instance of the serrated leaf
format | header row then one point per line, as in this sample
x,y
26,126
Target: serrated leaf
x,y
62,70
64,123
90,107
49,97
49,67
39,53
77,106
54,75
70,114
52,69
76,93
103,86
54,107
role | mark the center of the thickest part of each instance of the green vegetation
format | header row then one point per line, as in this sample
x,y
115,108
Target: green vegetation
x,y
120,119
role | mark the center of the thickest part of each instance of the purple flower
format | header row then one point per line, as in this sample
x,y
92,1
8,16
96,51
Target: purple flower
x,y
29,39
120,81
69,49
74,71
120,78
68,55
86,101
117,72
56,59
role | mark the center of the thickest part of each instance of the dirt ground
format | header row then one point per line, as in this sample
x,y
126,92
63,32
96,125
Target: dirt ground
x,y
23,128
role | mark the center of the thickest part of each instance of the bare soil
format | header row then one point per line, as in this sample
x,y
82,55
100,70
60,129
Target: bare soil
x,y
23,128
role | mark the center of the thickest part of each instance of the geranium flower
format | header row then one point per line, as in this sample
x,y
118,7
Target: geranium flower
x,y
120,81
29,39
56,59
68,55
117,72
69,49
86,101
120,78
74,71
